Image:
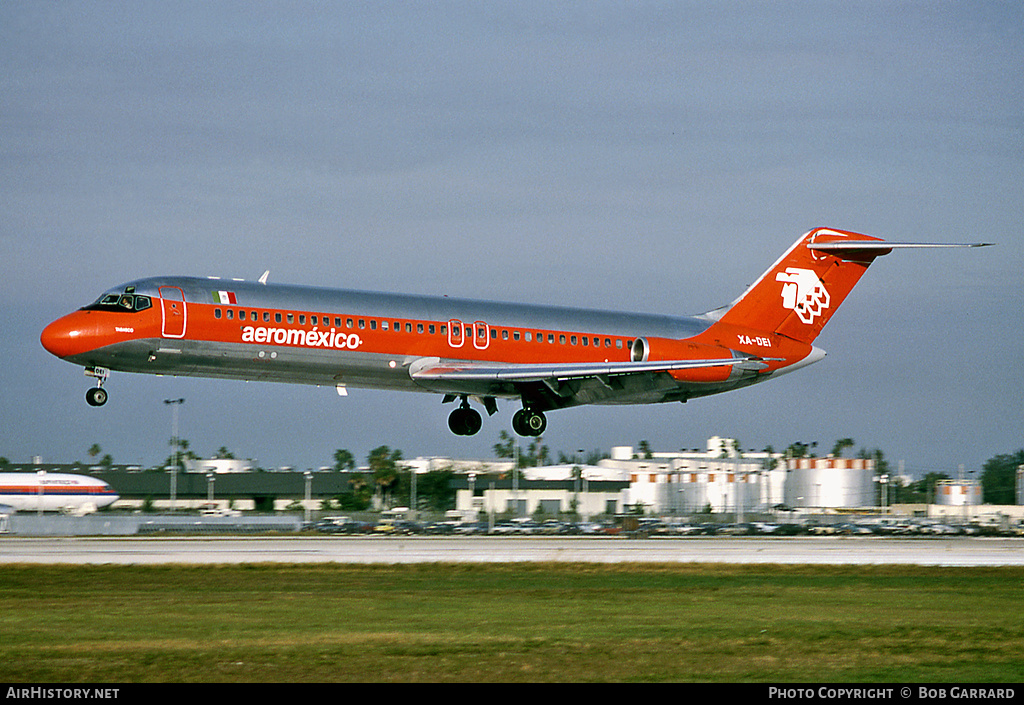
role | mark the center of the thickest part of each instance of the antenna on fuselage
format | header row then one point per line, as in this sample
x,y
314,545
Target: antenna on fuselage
x,y
263,279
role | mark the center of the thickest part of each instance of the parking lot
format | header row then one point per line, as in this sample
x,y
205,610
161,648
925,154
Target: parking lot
x,y
650,527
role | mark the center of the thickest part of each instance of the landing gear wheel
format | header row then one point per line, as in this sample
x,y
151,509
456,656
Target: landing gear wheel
x,y
518,423
97,396
464,421
536,422
529,423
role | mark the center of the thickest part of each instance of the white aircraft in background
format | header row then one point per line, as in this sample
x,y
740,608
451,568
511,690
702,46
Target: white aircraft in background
x,y
53,492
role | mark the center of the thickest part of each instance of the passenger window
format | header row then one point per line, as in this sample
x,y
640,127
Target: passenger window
x,y
419,327
291,318
529,336
431,329
408,327
572,339
383,325
302,319
241,315
216,313
561,339
277,317
551,338
348,322
231,314
444,330
504,335
373,325
618,343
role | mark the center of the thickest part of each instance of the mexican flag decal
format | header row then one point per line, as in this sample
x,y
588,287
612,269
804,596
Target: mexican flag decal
x,y
224,297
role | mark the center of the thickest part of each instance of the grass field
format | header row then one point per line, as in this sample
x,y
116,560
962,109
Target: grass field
x,y
522,622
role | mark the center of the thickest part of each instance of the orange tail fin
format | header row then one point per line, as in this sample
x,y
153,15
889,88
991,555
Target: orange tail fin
x,y
798,294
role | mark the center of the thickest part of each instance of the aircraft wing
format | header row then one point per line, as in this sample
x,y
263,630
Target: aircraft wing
x,y
436,370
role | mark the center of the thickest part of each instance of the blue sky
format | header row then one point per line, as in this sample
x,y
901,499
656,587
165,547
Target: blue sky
x,y
653,157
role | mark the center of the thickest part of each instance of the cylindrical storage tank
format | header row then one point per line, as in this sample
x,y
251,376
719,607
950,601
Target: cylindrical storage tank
x,y
622,452
812,485
693,491
726,490
957,493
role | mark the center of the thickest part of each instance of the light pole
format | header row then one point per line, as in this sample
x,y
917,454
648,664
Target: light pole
x,y
412,493
515,477
309,492
174,404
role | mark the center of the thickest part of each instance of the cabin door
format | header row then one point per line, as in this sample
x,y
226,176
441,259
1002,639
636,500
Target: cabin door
x,y
174,314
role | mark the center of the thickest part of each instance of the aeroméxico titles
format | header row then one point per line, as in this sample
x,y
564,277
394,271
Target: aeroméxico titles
x,y
542,357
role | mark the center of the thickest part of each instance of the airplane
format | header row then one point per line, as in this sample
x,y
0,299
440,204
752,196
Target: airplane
x,y
543,357
56,491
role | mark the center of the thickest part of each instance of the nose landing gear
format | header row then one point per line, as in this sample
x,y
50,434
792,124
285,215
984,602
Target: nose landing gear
x,y
97,396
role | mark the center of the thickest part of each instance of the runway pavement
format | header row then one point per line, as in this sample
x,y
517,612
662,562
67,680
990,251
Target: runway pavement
x,y
960,551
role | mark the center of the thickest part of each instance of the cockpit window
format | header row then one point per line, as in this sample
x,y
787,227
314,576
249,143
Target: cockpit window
x,y
125,303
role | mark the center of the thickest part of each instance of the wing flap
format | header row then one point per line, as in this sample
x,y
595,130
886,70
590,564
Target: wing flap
x,y
433,369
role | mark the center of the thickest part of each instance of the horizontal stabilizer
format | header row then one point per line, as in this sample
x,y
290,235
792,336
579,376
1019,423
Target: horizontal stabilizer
x,y
869,249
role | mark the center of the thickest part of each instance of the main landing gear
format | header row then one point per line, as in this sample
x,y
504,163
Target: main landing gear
x,y
465,421
527,422
97,396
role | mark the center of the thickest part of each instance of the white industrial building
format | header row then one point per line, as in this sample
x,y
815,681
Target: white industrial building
x,y
584,490
720,479
218,466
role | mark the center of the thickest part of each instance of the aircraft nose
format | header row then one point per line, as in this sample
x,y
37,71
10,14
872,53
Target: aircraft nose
x,y
66,336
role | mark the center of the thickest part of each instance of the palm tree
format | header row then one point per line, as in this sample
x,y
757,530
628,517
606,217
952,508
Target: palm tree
x,y
384,466
344,460
841,445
